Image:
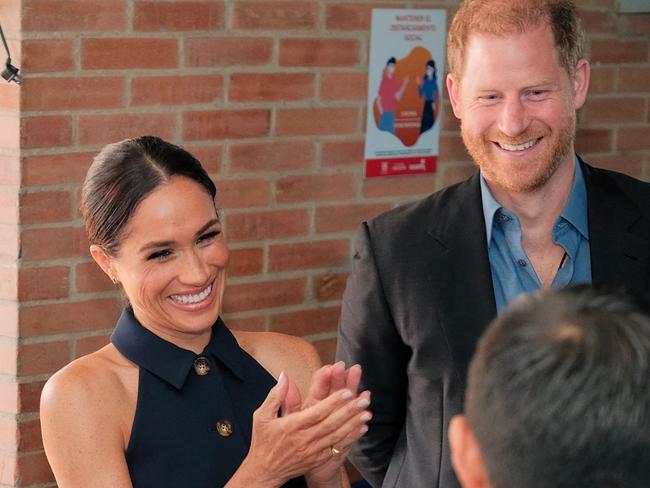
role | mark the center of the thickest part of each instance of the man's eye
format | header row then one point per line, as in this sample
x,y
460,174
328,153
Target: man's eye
x,y
160,255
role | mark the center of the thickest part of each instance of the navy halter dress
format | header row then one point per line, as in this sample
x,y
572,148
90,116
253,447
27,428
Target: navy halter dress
x,y
194,413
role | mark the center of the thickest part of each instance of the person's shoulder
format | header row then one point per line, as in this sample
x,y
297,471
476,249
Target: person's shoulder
x,y
89,380
278,352
630,188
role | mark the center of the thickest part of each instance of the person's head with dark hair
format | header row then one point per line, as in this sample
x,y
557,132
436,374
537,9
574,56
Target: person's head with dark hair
x,y
391,60
430,69
557,395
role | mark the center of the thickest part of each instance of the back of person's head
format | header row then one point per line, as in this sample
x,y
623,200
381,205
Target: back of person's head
x,y
559,393
122,175
500,17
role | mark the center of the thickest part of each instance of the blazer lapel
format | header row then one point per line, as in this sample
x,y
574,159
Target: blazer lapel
x,y
459,271
619,252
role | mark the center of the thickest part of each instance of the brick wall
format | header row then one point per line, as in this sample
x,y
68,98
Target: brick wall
x,y
270,95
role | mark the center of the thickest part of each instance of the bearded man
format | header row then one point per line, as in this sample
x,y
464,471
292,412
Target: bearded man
x,y
428,277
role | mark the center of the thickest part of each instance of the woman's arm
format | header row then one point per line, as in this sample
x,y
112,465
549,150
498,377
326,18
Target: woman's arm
x,y
80,422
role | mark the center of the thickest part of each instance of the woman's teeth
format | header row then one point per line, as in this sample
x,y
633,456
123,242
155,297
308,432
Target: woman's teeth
x,y
520,147
187,299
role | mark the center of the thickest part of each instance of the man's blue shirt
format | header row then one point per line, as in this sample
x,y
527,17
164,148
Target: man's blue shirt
x,y
512,271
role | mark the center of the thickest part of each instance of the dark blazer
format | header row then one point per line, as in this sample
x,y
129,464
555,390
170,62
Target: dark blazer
x,y
419,296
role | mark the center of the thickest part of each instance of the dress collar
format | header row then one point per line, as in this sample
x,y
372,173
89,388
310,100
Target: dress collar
x,y
168,361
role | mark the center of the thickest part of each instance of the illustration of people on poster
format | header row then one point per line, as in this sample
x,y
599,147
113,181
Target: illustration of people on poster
x,y
406,74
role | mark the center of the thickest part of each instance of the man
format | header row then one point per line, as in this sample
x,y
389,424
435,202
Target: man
x,y
558,396
388,96
428,277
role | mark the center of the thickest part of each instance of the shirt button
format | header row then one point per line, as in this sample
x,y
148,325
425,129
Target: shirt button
x,y
521,262
202,366
224,427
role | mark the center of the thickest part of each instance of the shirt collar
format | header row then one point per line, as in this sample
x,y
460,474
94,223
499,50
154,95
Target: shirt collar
x,y
168,361
574,212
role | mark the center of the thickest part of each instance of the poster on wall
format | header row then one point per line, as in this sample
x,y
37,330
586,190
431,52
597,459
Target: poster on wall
x,y
406,73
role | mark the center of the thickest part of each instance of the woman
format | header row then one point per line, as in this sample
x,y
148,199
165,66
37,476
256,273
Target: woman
x,y
429,90
177,399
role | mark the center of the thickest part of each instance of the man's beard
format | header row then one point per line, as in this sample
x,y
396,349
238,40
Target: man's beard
x,y
479,148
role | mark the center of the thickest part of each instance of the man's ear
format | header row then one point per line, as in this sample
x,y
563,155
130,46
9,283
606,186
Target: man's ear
x,y
466,456
580,83
104,261
453,89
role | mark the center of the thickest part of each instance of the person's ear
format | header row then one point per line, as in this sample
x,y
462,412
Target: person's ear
x,y
466,456
453,89
580,83
104,261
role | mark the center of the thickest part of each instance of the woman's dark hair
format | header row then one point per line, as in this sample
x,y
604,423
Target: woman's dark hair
x,y
122,175
431,63
391,60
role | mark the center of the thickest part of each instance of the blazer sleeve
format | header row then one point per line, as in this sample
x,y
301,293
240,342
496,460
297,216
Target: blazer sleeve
x,y
368,336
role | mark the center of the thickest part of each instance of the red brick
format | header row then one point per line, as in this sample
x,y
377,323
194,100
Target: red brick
x,y
326,350
246,262
593,140
9,170
226,124
252,324
307,188
615,109
634,79
43,283
9,96
42,358
30,396
45,131
10,133
342,153
210,155
639,23
316,121
58,318
29,435
339,218
72,93
306,322
46,55
598,21
8,434
343,86
308,255
255,226
268,87
619,51
10,13
8,282
629,164
9,212
9,398
452,149
264,294
273,14
107,128
33,468
73,15
350,16
45,206
227,51
54,243
176,90
178,16
9,313
271,156
9,248
329,286
319,52
457,173
89,278
54,169
8,358
8,461
634,138
602,79
409,185
122,53
242,193
90,344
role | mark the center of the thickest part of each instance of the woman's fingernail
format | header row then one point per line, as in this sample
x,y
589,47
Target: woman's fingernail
x,y
365,416
346,394
363,429
363,403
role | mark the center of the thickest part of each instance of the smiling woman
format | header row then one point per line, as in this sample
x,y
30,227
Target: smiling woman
x,y
177,399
